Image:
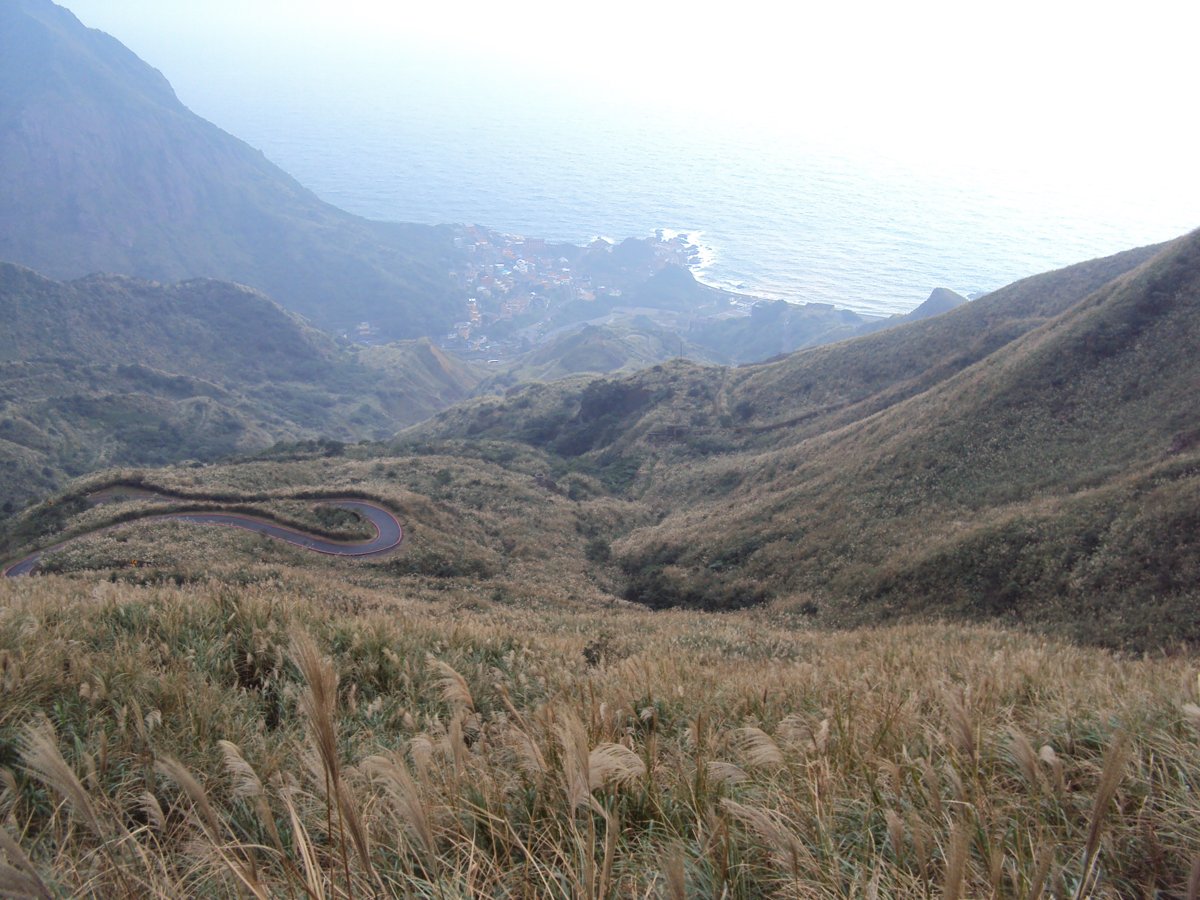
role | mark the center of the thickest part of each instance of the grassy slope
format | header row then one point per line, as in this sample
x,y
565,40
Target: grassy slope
x,y
502,724
211,329
1011,488
779,402
994,461
487,523
109,371
597,350
1050,484
417,738
834,385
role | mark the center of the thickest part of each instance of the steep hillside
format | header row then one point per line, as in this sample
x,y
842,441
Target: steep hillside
x,y
621,344
826,387
208,328
1052,483
778,402
104,170
997,460
420,378
111,370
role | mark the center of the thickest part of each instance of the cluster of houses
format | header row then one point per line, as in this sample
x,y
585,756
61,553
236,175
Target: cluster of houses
x,y
506,277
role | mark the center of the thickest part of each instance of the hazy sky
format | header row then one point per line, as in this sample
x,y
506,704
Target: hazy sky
x,y
1053,91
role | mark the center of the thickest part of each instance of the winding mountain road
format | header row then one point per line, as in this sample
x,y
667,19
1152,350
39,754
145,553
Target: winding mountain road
x,y
388,533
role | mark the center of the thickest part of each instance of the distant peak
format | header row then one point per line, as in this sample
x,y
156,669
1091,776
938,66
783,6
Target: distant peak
x,y
43,45
940,300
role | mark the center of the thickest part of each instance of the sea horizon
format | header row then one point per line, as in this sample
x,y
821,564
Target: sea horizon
x,y
774,215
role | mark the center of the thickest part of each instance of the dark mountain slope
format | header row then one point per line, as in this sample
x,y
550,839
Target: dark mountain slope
x,y
103,169
211,329
110,370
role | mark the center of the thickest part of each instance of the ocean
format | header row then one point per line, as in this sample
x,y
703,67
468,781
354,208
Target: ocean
x,y
774,214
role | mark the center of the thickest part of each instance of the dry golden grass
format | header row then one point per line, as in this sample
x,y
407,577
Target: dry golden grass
x,y
1031,458
286,733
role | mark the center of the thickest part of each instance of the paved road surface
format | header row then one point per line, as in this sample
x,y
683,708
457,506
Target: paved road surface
x,y
388,533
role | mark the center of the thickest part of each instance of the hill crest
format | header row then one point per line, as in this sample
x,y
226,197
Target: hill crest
x,y
882,477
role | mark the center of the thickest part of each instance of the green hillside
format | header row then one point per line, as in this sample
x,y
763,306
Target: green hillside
x,y
110,370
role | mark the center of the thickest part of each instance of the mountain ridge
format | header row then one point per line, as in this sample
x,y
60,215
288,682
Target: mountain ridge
x,y
108,370
863,480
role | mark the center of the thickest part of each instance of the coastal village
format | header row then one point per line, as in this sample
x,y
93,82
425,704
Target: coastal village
x,y
513,286
519,294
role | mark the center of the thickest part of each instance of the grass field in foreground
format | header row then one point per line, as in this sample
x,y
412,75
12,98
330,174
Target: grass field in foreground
x,y
276,732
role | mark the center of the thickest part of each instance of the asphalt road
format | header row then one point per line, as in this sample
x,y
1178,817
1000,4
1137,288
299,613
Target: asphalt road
x,y
388,533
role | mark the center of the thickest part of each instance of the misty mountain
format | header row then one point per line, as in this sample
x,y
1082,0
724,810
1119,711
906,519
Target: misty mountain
x,y
102,169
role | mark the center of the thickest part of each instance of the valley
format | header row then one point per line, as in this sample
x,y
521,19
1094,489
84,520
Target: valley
x,y
869,616
549,571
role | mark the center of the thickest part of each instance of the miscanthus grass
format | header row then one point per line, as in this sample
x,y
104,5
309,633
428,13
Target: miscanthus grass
x,y
293,737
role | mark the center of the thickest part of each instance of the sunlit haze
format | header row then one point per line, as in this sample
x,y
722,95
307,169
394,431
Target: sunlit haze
x,y
858,154
1062,91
